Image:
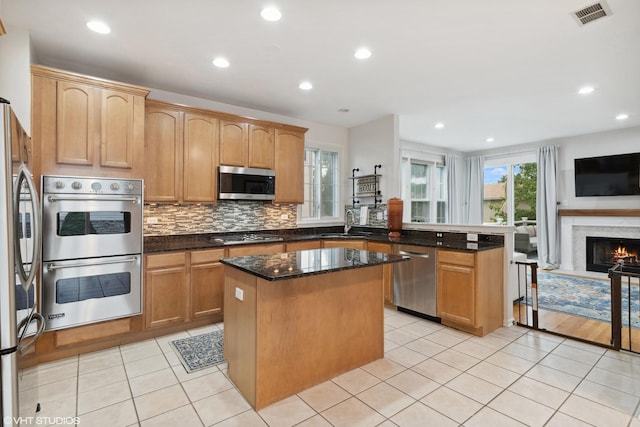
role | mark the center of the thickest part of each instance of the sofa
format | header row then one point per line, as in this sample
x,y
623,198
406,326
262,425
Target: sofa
x,y
525,239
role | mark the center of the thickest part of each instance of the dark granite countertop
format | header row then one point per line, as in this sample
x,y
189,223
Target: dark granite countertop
x,y
455,241
291,265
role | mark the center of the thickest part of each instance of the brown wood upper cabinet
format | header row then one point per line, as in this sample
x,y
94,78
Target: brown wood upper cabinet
x,y
87,126
181,154
289,166
200,158
246,144
163,148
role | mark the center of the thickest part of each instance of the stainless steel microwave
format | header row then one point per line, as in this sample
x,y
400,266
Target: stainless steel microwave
x,y
246,183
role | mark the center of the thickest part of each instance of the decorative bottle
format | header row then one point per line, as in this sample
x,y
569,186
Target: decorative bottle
x,y
394,217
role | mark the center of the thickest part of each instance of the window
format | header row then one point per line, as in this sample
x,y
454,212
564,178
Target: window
x,y
510,191
321,184
424,191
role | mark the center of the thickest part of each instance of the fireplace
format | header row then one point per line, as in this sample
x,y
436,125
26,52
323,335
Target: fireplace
x,y
603,252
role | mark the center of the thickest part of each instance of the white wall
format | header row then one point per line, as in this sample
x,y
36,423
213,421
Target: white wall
x,y
15,73
377,143
596,144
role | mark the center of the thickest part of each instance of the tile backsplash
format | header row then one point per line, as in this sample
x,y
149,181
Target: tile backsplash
x,y
224,216
373,219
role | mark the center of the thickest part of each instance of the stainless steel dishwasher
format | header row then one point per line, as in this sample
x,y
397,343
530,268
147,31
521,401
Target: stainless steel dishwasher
x,y
414,282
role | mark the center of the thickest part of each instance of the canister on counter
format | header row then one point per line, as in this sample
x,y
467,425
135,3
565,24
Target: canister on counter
x,y
394,217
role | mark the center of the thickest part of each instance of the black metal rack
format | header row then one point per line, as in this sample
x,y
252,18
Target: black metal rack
x,y
367,186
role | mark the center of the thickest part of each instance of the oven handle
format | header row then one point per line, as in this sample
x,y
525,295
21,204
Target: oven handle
x,y
53,199
51,267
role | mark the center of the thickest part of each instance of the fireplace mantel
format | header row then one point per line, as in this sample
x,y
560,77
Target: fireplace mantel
x,y
598,212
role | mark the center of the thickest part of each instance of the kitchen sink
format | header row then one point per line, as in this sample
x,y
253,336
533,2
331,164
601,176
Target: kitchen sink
x,y
356,235
234,239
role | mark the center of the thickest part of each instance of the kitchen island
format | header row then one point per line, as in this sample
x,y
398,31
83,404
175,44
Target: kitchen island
x,y
297,319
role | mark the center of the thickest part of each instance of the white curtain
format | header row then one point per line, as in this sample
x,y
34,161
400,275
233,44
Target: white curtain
x,y
547,208
473,197
453,190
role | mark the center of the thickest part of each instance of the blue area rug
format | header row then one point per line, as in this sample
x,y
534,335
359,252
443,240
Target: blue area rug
x,y
584,297
200,351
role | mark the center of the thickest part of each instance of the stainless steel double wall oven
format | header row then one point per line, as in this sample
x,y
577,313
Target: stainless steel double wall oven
x,y
92,249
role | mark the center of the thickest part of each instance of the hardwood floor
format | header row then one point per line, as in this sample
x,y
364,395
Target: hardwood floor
x,y
578,327
566,324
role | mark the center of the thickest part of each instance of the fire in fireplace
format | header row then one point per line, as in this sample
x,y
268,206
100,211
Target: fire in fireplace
x,y
604,252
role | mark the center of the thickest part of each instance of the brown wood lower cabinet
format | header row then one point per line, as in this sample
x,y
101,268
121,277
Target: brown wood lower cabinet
x,y
265,249
344,243
469,284
182,290
207,283
165,289
286,336
387,269
304,245
183,286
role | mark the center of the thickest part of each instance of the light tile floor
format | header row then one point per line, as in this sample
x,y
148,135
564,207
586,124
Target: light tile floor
x,y
430,375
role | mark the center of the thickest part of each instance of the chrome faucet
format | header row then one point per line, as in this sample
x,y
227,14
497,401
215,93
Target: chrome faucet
x,y
347,226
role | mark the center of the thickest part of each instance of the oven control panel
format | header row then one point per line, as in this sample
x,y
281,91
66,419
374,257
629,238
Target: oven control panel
x,y
82,185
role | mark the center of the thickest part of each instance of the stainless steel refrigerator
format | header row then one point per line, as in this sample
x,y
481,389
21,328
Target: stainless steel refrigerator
x,y
20,254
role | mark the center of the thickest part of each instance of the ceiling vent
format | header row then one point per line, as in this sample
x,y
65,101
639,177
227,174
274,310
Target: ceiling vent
x,y
592,13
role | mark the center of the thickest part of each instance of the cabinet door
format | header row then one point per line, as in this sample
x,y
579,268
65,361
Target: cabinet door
x,y
456,293
233,143
163,155
200,158
165,289
353,244
301,246
17,140
271,249
207,289
77,133
117,137
261,147
387,269
289,167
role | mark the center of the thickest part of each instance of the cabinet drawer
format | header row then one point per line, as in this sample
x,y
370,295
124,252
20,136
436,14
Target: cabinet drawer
x,y
256,250
201,257
302,246
379,247
455,257
353,244
165,260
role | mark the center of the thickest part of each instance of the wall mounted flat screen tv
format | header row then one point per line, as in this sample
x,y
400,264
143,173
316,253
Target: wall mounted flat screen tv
x,y
617,175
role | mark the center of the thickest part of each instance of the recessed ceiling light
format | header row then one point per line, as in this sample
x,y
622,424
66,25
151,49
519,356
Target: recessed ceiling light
x,y
439,125
305,86
622,116
490,139
362,53
221,62
343,110
99,27
585,90
271,14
